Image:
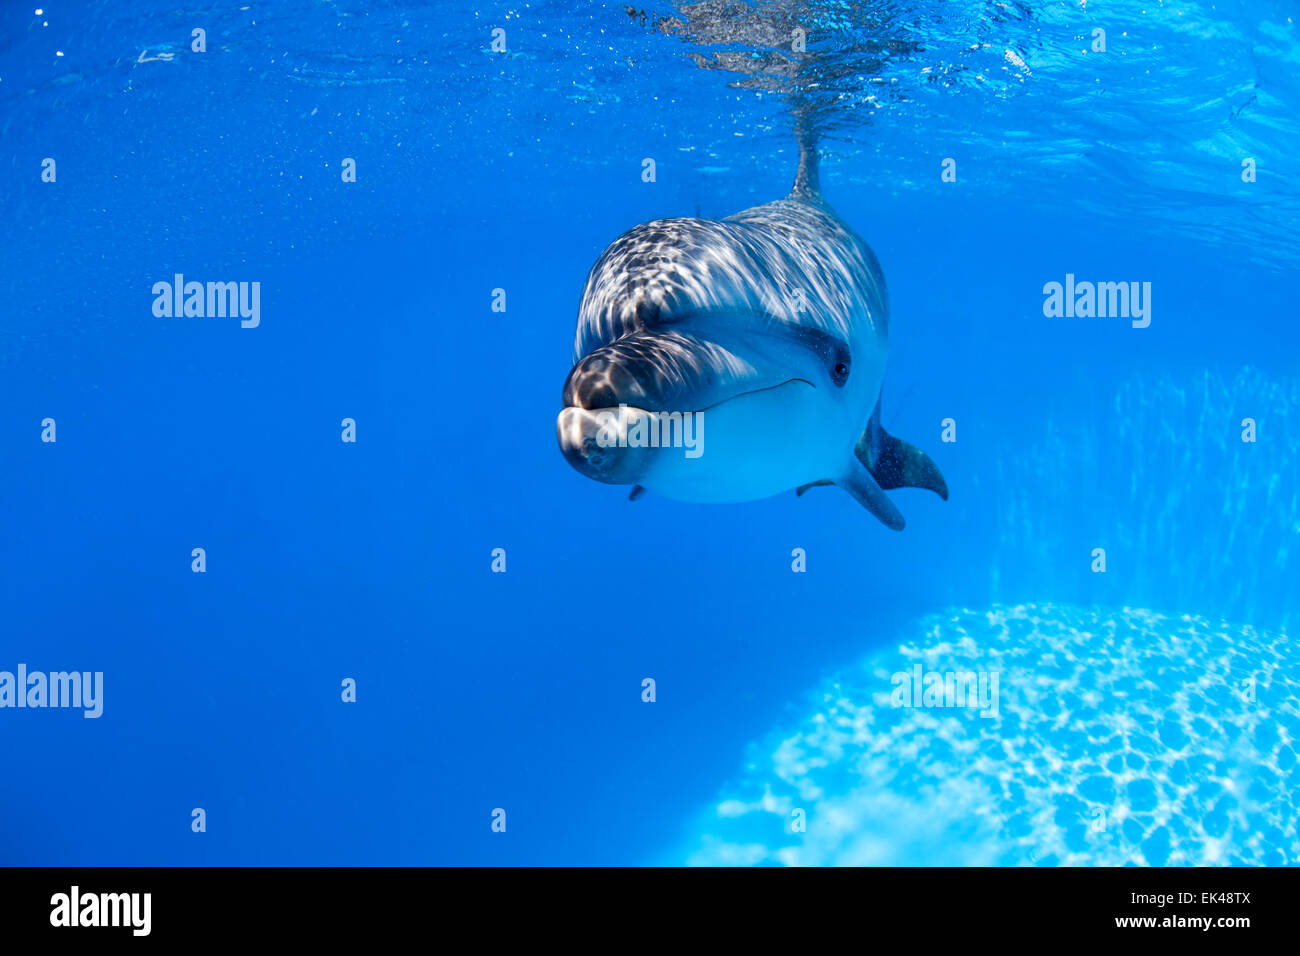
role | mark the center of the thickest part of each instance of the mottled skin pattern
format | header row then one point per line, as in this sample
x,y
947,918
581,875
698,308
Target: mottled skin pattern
x,y
750,262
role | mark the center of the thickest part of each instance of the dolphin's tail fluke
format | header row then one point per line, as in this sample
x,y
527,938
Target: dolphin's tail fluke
x,y
807,181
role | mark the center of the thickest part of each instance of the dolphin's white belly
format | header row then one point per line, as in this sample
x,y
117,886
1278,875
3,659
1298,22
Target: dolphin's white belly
x,y
759,444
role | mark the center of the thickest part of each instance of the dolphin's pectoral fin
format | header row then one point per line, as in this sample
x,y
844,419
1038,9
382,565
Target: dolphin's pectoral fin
x,y
862,486
895,463
636,492
868,493
802,488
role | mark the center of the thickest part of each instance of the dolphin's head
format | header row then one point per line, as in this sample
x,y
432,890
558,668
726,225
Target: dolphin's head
x,y
710,361
682,317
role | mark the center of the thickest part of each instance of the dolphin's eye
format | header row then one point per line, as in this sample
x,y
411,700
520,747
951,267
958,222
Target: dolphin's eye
x,y
840,370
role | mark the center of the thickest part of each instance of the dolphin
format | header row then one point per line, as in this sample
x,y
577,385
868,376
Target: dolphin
x,y
731,360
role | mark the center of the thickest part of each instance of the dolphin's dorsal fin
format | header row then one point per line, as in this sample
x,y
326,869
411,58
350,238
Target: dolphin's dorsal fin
x,y
807,181
895,463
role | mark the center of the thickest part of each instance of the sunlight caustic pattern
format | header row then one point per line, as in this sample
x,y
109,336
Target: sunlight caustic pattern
x,y
1197,764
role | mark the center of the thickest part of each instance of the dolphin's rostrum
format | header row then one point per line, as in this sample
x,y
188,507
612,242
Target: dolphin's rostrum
x,y
730,360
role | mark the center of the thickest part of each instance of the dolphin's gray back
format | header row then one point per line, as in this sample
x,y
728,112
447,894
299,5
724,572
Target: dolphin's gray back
x,y
751,262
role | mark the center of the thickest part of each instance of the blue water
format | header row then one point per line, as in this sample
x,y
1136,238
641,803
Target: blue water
x,y
372,560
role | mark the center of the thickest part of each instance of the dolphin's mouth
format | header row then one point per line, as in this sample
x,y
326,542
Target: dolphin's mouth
x,y
618,445
757,391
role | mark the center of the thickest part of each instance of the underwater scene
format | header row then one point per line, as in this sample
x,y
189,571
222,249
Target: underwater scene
x,y
690,434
